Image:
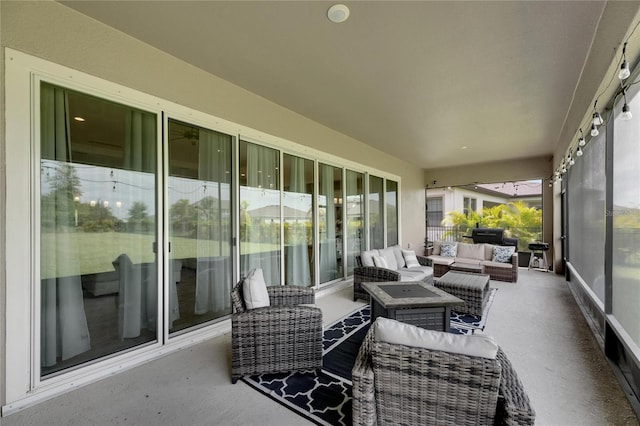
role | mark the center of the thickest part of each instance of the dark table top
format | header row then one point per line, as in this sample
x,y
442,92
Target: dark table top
x,y
409,294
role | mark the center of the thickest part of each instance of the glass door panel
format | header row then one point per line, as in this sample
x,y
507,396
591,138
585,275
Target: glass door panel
x,y
391,199
260,211
330,222
355,217
200,225
98,263
298,220
376,213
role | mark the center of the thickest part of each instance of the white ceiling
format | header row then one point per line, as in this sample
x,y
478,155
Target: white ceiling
x,y
418,79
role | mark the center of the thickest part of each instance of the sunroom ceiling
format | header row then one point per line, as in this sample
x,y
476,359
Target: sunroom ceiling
x,y
434,83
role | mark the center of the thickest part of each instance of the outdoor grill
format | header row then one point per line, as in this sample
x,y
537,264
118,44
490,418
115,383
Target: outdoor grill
x,y
487,235
536,262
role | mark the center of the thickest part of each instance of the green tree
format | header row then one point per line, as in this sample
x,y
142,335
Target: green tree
x,y
58,206
138,220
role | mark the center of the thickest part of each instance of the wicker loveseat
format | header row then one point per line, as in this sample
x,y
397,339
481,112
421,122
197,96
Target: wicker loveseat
x,y
366,271
398,384
278,338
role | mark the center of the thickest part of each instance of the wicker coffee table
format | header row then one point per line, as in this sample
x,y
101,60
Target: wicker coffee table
x,y
413,302
470,287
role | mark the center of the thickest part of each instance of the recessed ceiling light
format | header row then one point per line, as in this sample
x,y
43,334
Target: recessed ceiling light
x,y
464,147
338,13
78,118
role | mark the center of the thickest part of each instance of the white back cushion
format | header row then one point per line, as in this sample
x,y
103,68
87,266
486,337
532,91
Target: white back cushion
x,y
254,290
400,333
410,258
380,262
390,257
470,251
366,257
488,251
436,247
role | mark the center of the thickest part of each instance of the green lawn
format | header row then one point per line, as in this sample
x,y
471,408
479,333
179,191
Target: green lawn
x,y
97,250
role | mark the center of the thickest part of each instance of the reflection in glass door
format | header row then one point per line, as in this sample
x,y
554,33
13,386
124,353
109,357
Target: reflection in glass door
x,y
98,264
200,225
297,200
330,222
355,217
260,215
376,213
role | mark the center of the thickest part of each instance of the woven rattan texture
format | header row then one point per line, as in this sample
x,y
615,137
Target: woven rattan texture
x,y
395,384
278,338
472,288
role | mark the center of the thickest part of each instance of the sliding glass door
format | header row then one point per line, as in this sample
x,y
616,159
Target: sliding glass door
x,y
200,227
98,228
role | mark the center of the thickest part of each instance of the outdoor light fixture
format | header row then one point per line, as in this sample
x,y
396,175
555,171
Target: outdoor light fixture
x,y
581,141
624,68
594,130
597,119
338,13
626,112
579,152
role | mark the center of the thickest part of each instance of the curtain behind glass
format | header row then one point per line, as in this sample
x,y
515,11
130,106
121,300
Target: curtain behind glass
x,y
391,200
376,213
327,204
64,331
586,191
298,210
213,280
260,216
355,217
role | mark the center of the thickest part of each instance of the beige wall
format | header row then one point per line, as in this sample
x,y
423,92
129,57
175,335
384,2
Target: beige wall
x,y
501,171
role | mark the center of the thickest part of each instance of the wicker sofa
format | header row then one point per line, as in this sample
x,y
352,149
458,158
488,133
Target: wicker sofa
x,y
366,271
398,384
475,254
278,338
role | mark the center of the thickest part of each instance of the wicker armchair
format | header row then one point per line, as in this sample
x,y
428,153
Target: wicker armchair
x,y
278,338
364,274
427,387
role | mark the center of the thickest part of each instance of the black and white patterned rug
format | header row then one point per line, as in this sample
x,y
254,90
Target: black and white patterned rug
x,y
325,398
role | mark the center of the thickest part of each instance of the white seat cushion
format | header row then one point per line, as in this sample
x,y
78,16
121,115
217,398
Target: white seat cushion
x,y
399,333
254,290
